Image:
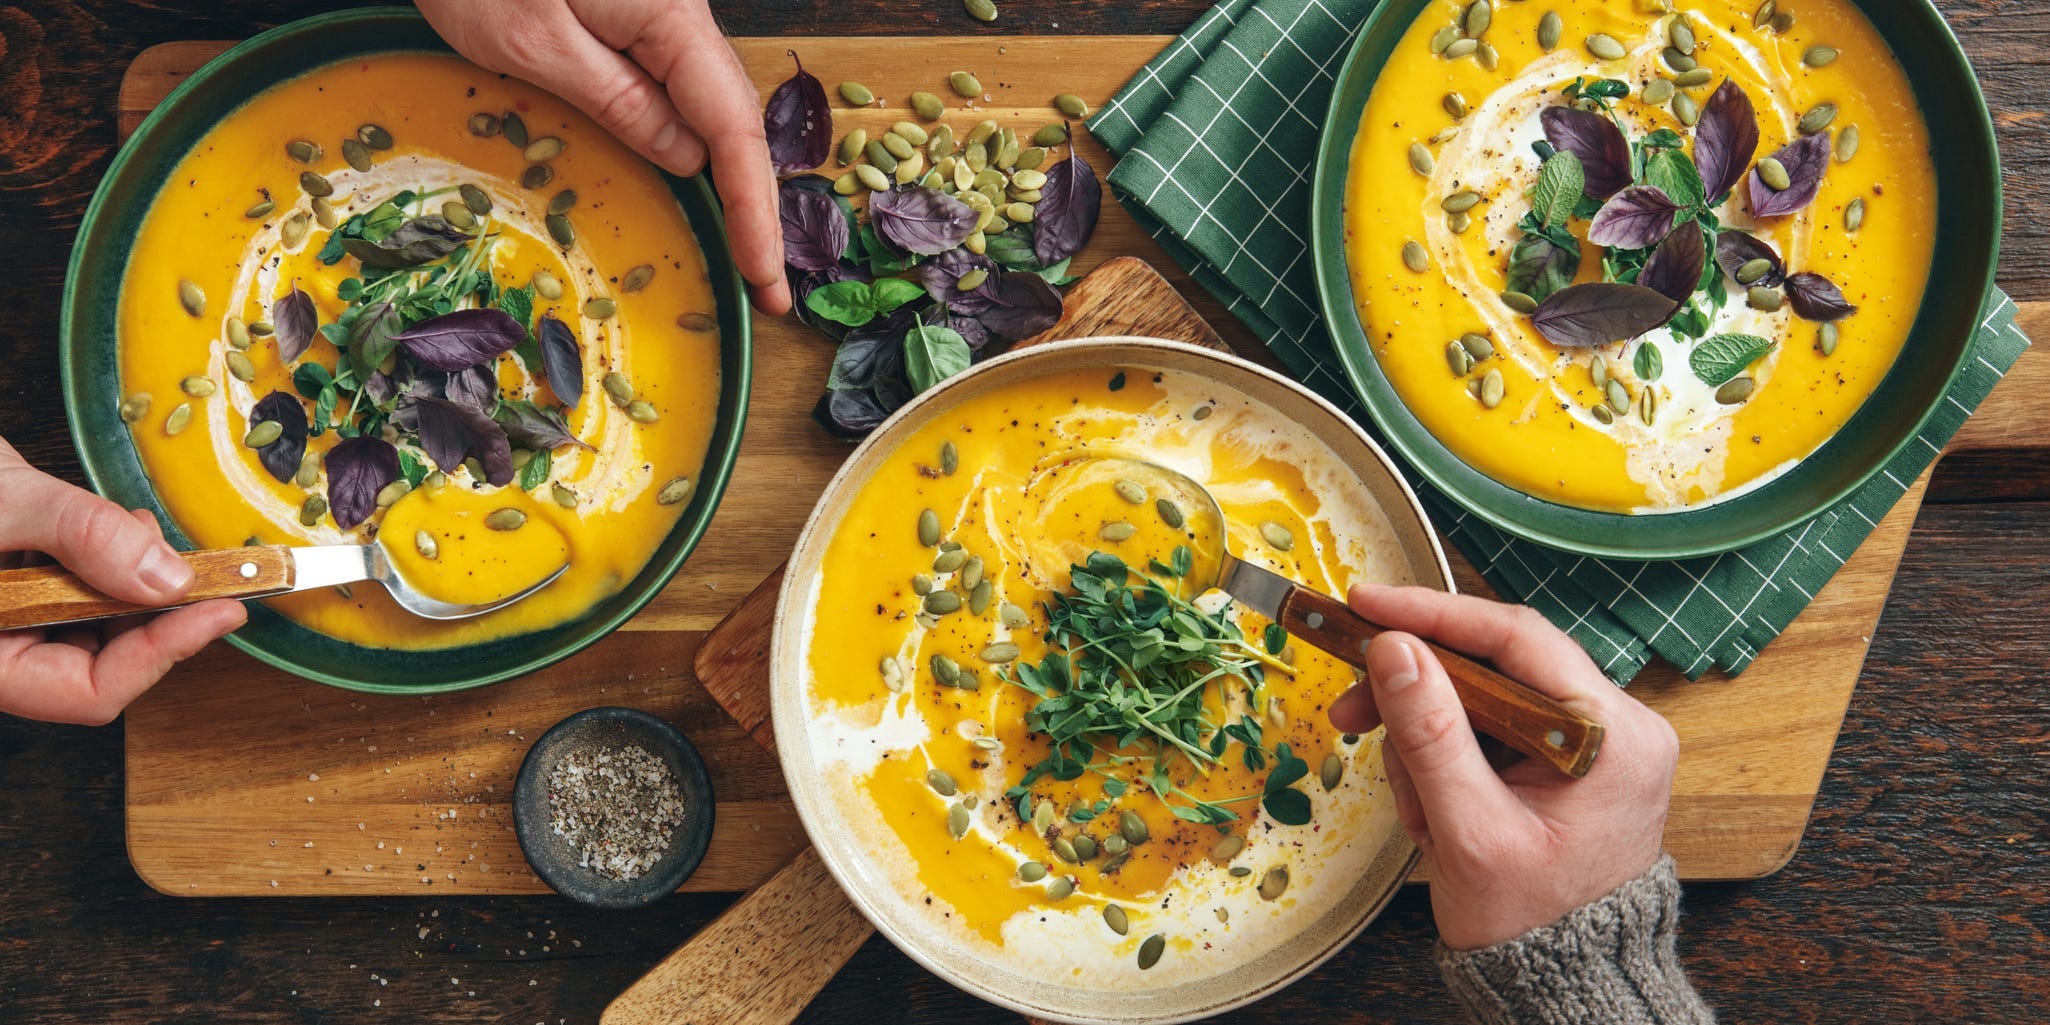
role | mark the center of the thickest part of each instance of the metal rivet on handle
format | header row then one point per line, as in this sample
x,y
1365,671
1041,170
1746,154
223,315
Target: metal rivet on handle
x,y
1315,619
249,571
1556,739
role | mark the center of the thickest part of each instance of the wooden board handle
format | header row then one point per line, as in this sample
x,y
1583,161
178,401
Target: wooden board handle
x,y
47,595
1500,707
760,963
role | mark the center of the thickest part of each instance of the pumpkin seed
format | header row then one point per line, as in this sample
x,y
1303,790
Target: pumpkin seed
x,y
600,308
1854,214
1042,817
1846,143
945,670
562,202
515,129
981,10
309,470
1477,346
899,146
1117,531
921,585
999,653
543,149
1618,395
1132,828
1694,79
238,333
851,146
1679,62
965,85
1658,91
261,210
857,94
957,821
1443,39
1819,56
374,136
1414,257
547,286
1131,491
1754,270
1459,222
1548,30
1455,105
1050,135
1648,406
305,151
1817,118
357,154
1277,535
1071,105
847,184
426,545
324,213
483,125
197,387
928,528
311,510
179,419
1685,109
1681,34
1773,174
942,603
1462,48
979,595
240,368
1085,848
1598,368
561,230
1479,15
1605,46
1782,22
190,297
1764,14
1170,513
637,278
1065,850
1060,889
1765,299
1150,951
454,212
1460,202
1825,339
1031,871
1456,357
1115,917
1012,616
929,106
293,230
1519,302
641,412
879,154
940,145
505,519
1602,413
1229,847
315,185
1488,58
873,177
1201,413
1274,883
263,433
390,494
1029,180
1492,387
536,175
678,489
1019,213
1733,391
941,783
910,133
563,495
1420,159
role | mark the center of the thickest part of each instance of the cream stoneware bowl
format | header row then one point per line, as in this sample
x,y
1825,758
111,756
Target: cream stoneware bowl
x,y
856,867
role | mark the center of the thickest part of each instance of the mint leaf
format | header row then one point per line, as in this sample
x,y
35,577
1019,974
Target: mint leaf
x,y
535,473
932,354
1672,173
518,303
1722,357
1558,189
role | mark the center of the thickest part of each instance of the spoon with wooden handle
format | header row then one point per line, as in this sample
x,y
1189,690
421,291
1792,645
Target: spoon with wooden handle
x,y
1498,706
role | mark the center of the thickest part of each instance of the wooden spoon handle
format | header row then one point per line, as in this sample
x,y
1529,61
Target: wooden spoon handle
x,y
1500,707
48,595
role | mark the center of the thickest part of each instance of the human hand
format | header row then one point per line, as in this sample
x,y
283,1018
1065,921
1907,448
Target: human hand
x,y
1515,849
89,672
655,73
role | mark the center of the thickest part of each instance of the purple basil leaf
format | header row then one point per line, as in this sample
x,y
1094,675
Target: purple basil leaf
x,y
420,240
561,360
1021,304
450,431
1674,268
798,122
462,339
872,352
281,457
1734,249
922,220
530,426
1725,138
1604,155
1805,159
850,414
1540,265
357,469
1597,313
476,387
1068,207
815,232
971,331
380,388
1815,298
939,274
1635,218
295,321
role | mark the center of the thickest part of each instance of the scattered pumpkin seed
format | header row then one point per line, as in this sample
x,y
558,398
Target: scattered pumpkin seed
x,y
1618,395
1819,56
311,510
389,495
847,184
1131,491
305,151
949,561
563,494
1019,213
374,136
1117,531
324,213
1414,257
1694,79
135,407
1825,339
1685,109
515,129
1658,91
190,297
1170,513
262,208
197,387
1733,391
678,489
1457,223
945,670
921,585
899,146
957,821
505,519
1605,46
1457,358
910,133
1064,849
1648,405
1598,368
1229,847
703,322
928,528
1460,202
1754,270
1031,871
1050,135
293,230
1765,299
1763,16
981,10
543,149
561,230
600,308
536,175
1679,62
1443,39
309,470
1492,388
1479,15
1071,105
426,545
1150,951
941,783
1012,616
857,94
1060,889
238,333
1477,345
1548,30
1461,48
483,125
1000,653
1085,847
1774,175
1420,159
979,596
873,177
965,85
942,603
928,106
1602,413
315,185
546,285
1455,105
240,368
356,154
1280,537
1132,827
637,278
1817,118
1681,34
1519,302
1846,143
1489,59
1114,916
1274,883
641,412
1782,22
179,419
1854,214
454,212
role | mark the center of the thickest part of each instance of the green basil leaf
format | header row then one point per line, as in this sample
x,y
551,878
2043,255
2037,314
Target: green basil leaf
x,y
323,408
1716,360
310,378
890,293
844,302
1648,363
535,473
1559,187
1539,266
411,468
933,354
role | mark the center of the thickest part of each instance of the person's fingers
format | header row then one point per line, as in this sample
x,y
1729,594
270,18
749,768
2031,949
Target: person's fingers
x,y
1519,641
1354,711
685,51
115,553
1407,807
1427,727
60,683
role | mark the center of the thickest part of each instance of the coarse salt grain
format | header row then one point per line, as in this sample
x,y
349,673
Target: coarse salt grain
x,y
616,807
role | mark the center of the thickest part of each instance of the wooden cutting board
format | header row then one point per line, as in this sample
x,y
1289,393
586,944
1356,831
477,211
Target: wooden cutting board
x,y
245,781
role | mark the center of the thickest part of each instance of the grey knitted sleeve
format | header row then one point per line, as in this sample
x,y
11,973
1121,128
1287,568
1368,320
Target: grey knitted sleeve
x,y
1614,961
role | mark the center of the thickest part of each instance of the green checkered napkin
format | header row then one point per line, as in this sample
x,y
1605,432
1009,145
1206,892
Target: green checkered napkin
x,y
1211,139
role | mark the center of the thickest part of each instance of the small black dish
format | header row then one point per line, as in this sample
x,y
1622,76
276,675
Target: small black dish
x,y
556,862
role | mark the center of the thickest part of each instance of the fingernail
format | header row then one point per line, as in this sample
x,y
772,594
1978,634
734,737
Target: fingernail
x,y
1393,666
667,148
164,571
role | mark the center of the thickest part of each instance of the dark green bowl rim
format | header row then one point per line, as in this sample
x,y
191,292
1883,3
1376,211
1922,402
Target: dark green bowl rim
x,y
701,208
1693,532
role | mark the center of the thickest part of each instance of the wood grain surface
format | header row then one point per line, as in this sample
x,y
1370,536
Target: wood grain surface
x,y
1920,892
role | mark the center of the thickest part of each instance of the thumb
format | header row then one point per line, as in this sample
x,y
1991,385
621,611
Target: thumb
x,y
1459,792
117,554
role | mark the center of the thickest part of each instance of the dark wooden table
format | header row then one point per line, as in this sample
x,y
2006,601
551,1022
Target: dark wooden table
x,y
1922,891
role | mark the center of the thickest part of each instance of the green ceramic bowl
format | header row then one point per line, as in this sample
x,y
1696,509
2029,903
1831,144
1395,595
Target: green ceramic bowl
x,y
1968,210
86,348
